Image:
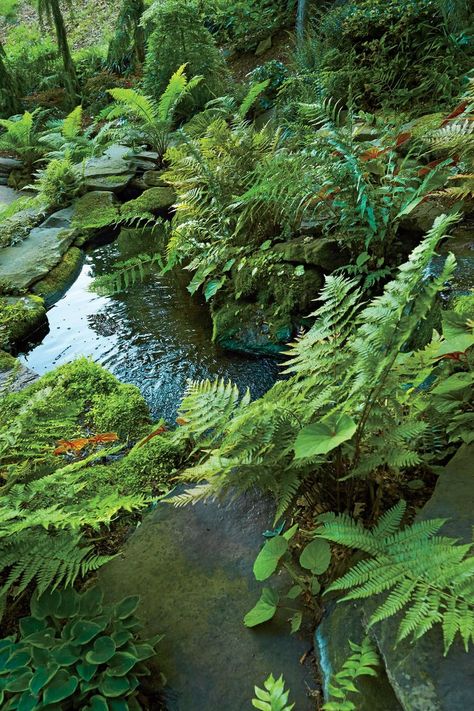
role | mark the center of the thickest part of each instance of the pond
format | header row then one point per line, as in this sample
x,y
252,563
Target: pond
x,y
153,335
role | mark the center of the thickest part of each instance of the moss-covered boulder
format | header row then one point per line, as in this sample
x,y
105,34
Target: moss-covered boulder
x,y
59,279
321,252
93,211
19,317
14,376
151,201
154,179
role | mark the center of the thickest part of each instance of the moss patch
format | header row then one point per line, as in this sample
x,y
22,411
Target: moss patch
x,y
95,210
52,287
150,201
7,361
123,411
19,316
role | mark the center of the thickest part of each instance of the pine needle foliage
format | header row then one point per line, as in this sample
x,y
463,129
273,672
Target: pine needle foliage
x,y
426,576
342,685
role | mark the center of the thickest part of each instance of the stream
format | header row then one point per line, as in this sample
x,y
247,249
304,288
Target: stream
x,y
153,335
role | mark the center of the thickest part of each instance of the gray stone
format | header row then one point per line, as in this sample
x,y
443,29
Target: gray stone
x,y
343,622
15,378
113,162
25,263
9,164
424,679
421,219
192,568
153,179
7,196
109,183
320,252
263,46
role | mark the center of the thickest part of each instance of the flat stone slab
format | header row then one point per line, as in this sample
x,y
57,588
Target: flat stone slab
x,y
192,567
25,263
15,379
112,162
7,196
109,183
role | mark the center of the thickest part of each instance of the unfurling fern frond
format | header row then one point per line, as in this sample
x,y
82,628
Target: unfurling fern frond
x,y
342,685
428,577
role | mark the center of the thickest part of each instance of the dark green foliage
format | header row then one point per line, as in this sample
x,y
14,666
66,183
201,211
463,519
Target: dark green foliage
x,y
427,576
127,46
179,37
52,11
9,102
393,54
75,650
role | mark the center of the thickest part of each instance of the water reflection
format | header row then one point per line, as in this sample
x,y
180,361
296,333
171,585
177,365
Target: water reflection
x,y
153,335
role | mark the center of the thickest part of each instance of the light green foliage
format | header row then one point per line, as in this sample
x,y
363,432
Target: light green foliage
x,y
18,317
342,685
154,118
73,648
350,363
280,552
20,137
49,507
179,37
273,696
58,184
427,576
32,60
66,138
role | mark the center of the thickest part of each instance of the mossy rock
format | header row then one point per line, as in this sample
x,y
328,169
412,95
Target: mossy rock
x,y
150,201
320,252
114,183
123,411
7,361
52,287
95,210
154,179
244,327
19,317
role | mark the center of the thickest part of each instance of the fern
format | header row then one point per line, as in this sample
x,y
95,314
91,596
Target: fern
x,y
430,578
273,697
360,663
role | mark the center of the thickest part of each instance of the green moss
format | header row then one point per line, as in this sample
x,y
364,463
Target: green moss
x,y
19,316
95,210
124,412
151,200
53,286
7,361
464,305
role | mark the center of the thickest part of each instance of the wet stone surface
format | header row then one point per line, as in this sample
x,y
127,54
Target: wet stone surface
x,y
192,567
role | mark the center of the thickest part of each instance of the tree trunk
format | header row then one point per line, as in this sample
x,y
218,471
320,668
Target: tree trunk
x,y
8,90
72,85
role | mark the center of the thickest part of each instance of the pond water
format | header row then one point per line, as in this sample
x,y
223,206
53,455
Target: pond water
x,y
154,335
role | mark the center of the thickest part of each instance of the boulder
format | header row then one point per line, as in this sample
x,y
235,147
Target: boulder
x,y
14,376
19,317
243,327
59,279
107,183
14,229
192,568
153,179
23,264
319,252
112,162
343,622
151,201
95,210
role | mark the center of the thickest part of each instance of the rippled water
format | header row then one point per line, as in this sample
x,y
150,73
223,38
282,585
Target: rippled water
x,y
153,335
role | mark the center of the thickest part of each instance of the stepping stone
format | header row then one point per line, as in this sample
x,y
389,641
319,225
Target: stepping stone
x,y
7,196
192,567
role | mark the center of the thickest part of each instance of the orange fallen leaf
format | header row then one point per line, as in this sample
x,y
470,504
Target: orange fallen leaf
x,y
155,433
77,445
182,421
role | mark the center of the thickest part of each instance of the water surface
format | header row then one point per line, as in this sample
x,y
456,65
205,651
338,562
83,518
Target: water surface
x,y
154,335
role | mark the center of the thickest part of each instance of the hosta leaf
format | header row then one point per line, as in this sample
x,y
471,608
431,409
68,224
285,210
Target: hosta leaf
x,y
264,610
98,703
102,651
41,677
127,606
121,663
267,560
62,686
83,631
316,557
323,436
30,625
86,671
114,686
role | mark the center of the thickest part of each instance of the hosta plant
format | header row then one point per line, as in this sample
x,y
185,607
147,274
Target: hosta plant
x,y
75,652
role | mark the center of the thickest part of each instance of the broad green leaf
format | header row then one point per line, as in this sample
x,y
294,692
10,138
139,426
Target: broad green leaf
x,y
127,606
267,560
83,631
316,556
114,686
294,592
291,532
41,677
264,610
102,651
299,270
212,287
98,703
323,436
61,687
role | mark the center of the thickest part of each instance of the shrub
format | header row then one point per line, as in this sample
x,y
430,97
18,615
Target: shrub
x,y
179,37
75,651
33,60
